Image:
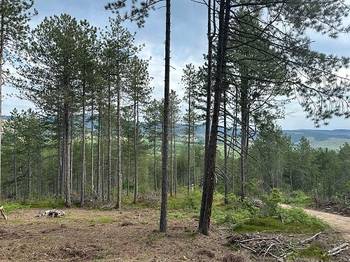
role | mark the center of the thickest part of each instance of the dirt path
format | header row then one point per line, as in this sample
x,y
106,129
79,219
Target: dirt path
x,y
340,223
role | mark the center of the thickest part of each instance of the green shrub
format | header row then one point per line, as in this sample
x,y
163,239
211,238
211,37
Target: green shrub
x,y
190,201
297,215
44,203
298,198
271,203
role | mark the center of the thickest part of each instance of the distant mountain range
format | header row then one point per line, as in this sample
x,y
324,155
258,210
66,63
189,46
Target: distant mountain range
x,y
332,139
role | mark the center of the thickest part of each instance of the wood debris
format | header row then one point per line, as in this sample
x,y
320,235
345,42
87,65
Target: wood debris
x,y
51,213
2,211
277,246
335,251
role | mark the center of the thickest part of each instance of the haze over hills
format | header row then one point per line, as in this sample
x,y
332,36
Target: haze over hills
x,y
332,139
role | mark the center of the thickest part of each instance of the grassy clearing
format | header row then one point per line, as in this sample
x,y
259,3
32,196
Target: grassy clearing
x,y
46,203
240,216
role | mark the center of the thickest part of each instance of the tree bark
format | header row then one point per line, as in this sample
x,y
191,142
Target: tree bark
x,y
208,102
189,143
83,153
155,179
136,177
99,158
15,167
208,193
92,148
244,135
165,144
171,177
119,151
225,151
175,160
30,174
129,167
2,47
109,145
66,153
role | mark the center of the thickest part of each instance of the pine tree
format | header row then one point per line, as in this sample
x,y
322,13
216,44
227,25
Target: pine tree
x,y
14,18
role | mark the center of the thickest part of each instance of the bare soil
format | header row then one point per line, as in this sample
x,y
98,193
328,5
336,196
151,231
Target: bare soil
x,y
339,223
90,235
128,235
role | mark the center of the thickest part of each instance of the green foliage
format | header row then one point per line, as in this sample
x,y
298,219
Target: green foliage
x,y
297,198
13,206
271,202
297,215
245,216
42,203
315,251
273,225
190,201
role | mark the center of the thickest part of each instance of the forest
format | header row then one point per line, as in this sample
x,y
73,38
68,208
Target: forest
x,y
101,150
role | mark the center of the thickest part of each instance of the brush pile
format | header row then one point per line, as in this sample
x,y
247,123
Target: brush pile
x,y
278,247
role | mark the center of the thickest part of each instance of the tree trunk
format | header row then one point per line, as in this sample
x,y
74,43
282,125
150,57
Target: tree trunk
x,y
244,135
66,154
208,193
208,102
136,178
99,158
171,177
15,168
155,180
189,143
83,154
225,151
109,146
60,175
175,160
2,47
92,149
119,152
30,174
71,150
165,144
129,167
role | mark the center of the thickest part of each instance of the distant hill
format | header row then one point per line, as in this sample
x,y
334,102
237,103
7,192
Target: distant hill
x,y
332,139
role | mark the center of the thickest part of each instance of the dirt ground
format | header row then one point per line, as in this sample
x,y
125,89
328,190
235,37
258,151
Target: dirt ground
x,y
339,223
128,235
89,235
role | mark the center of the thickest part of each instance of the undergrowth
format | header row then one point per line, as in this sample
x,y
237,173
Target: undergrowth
x,y
45,203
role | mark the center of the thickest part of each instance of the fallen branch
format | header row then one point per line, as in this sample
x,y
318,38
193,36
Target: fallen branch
x,y
2,211
310,239
338,249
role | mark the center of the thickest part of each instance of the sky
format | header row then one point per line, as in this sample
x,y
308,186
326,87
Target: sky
x,y
188,44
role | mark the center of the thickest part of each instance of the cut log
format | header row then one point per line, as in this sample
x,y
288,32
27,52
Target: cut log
x,y
2,211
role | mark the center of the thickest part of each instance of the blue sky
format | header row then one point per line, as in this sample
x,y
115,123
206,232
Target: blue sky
x,y
188,45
